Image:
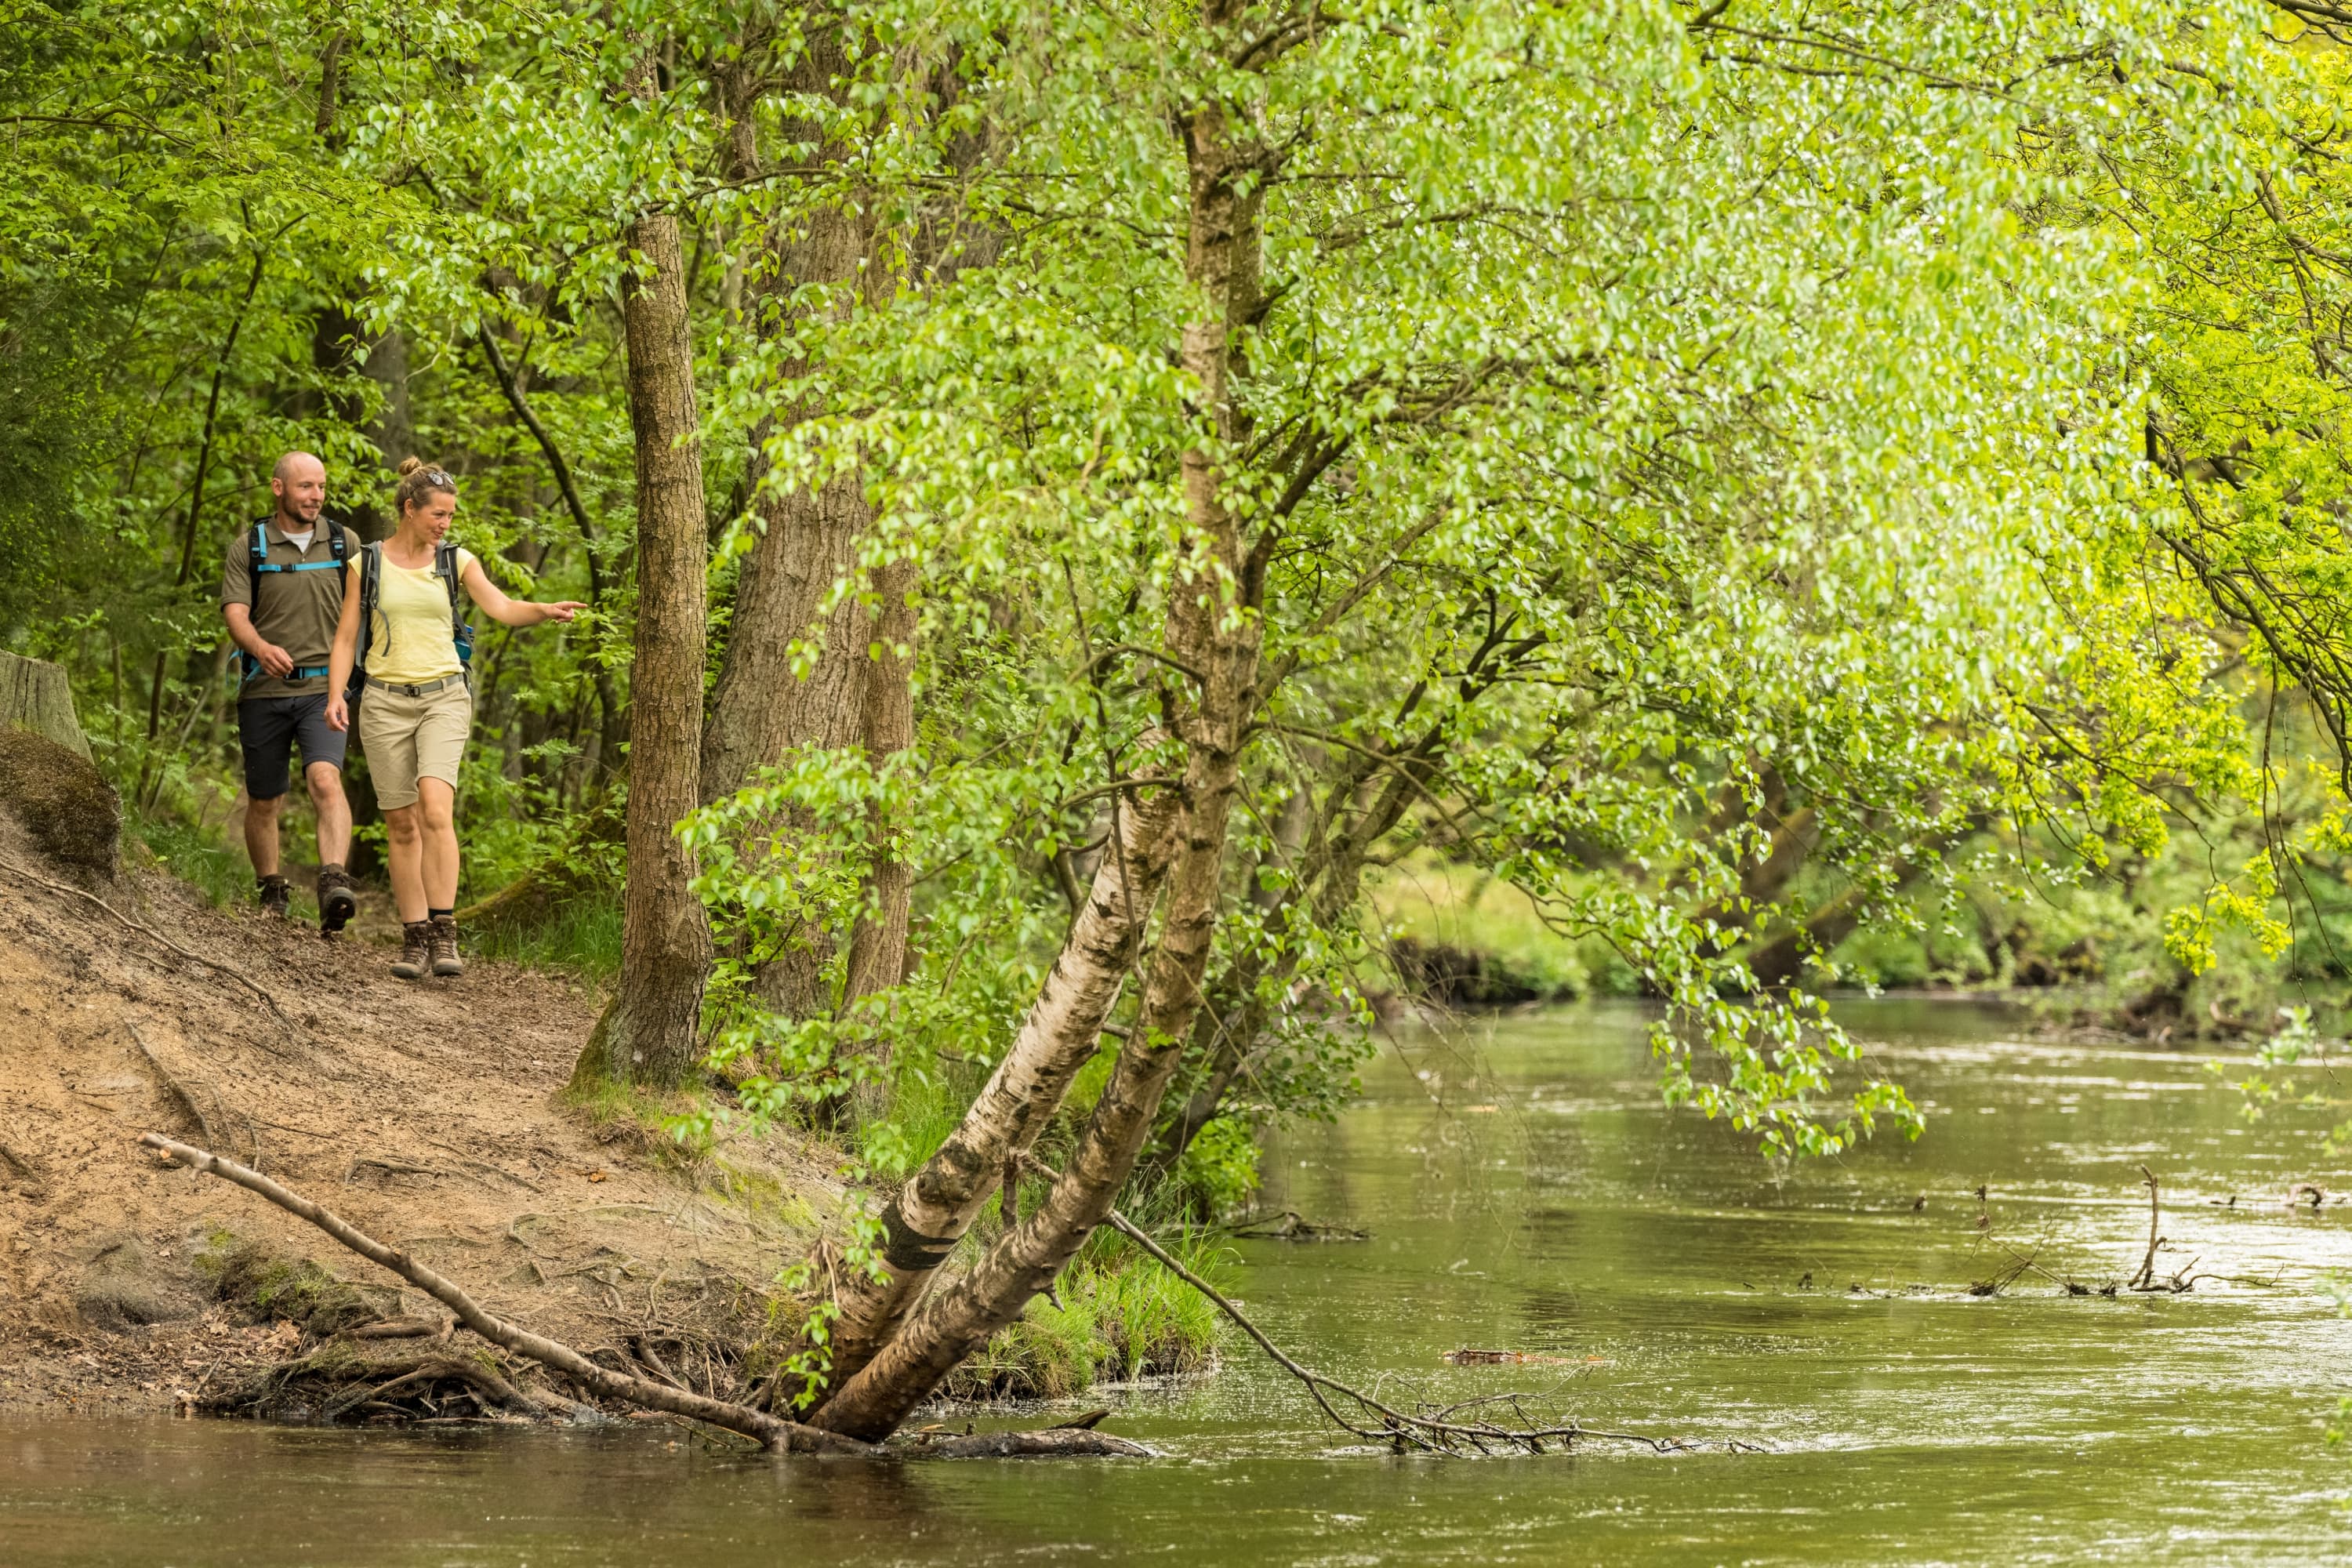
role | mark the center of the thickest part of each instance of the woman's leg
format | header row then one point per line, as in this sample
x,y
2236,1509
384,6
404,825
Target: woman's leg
x,y
436,803
404,841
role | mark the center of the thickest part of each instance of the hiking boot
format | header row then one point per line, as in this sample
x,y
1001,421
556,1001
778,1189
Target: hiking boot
x,y
444,941
337,902
275,896
416,950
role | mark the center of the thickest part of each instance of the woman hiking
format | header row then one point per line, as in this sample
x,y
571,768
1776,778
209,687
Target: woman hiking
x,y
417,702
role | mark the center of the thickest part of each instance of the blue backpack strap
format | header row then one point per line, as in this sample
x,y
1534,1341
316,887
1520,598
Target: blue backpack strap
x,y
256,550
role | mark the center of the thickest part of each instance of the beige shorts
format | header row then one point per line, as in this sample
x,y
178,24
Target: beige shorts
x,y
410,737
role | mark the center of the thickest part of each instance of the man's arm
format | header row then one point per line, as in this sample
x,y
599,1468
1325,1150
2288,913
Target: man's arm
x,y
236,599
274,661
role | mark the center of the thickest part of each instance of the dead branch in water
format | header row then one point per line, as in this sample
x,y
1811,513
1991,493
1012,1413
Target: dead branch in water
x,y
1434,1433
2148,1265
152,934
768,1430
2180,1280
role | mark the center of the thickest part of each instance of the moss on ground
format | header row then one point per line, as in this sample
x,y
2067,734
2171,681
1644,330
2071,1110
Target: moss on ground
x,y
271,1285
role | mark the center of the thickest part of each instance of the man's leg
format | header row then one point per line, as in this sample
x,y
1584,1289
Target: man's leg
x,y
337,900
261,832
326,782
264,734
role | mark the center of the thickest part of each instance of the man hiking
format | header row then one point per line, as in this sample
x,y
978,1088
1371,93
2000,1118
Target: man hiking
x,y
282,596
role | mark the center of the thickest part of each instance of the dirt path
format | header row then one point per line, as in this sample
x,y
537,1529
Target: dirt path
x,y
423,1112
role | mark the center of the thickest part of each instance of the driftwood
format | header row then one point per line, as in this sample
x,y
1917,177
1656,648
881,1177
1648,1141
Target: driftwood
x,y
1292,1225
1432,1429
768,1430
1049,1443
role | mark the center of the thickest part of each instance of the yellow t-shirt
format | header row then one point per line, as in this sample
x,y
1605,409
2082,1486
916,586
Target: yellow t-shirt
x,y
410,642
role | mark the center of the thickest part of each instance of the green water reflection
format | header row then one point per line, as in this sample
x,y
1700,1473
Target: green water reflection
x,y
1528,1194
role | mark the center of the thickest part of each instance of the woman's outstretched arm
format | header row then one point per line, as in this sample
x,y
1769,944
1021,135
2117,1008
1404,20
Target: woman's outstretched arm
x,y
512,612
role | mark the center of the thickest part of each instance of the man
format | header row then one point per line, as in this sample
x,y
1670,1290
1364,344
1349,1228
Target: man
x,y
282,594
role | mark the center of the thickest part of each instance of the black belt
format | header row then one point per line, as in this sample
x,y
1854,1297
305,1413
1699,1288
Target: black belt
x,y
425,690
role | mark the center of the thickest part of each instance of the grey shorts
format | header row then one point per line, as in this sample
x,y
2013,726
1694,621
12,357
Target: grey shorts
x,y
268,728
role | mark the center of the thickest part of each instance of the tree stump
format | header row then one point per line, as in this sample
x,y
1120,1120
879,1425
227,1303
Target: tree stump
x,y
47,778
35,695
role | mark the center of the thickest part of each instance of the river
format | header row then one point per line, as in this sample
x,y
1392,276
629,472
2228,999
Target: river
x,y
1525,1192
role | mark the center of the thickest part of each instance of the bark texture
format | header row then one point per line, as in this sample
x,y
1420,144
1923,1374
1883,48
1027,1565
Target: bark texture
x,y
930,1212
1212,628
649,1035
807,541
877,943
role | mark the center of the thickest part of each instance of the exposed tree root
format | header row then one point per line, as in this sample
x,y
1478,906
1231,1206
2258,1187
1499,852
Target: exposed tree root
x,y
341,1382
336,1383
1431,1428
767,1429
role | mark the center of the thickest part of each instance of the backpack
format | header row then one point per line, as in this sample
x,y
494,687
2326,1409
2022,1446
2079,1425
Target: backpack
x,y
461,632
257,546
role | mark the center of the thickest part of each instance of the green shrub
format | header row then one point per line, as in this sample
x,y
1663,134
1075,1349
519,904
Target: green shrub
x,y
1115,1313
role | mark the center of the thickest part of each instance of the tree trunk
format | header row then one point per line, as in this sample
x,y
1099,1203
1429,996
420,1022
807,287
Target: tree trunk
x,y
36,695
877,944
807,541
650,1033
1213,628
932,1210
760,709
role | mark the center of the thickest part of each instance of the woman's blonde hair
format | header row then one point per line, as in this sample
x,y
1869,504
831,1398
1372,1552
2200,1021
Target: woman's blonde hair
x,y
418,479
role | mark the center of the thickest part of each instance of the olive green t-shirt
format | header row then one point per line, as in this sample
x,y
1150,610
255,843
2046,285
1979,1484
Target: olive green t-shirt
x,y
296,610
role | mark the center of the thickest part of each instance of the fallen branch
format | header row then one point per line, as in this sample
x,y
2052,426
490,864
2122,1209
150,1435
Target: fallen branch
x,y
396,1329
26,1170
2148,1265
1050,1442
178,1091
1292,1225
2146,1281
159,937
767,1429
1383,1422
433,1369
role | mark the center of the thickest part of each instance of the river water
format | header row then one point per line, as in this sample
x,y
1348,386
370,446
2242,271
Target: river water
x,y
1525,1191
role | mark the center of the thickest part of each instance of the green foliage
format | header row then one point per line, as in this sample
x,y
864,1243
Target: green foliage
x,y
195,857
1115,1313
1672,435
579,935
1219,1169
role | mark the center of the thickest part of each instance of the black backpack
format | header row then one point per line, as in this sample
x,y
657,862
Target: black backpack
x,y
257,544
461,632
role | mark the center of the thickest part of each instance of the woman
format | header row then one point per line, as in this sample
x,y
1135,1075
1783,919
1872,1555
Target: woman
x,y
418,703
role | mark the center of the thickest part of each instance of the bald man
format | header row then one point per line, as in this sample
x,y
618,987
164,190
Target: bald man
x,y
282,594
